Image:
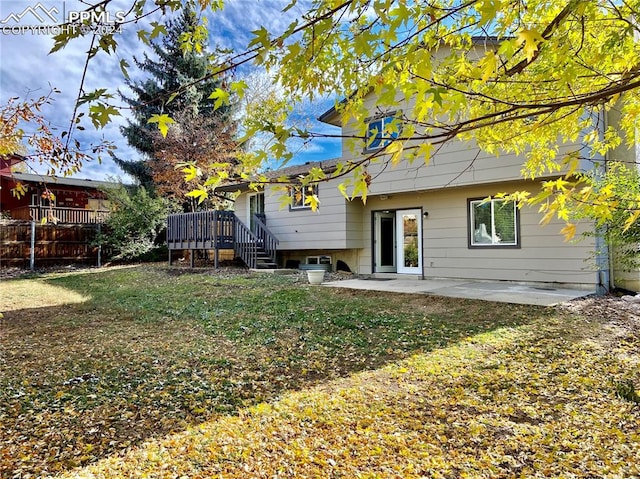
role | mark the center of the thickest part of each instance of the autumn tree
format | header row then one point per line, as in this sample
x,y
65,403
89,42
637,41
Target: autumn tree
x,y
26,134
193,145
177,84
514,76
519,76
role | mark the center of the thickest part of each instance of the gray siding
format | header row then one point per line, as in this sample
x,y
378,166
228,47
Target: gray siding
x,y
333,226
456,163
544,256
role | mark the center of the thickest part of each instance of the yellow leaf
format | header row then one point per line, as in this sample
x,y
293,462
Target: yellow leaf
x,y
312,201
220,98
342,187
200,195
530,39
547,217
569,231
425,150
190,172
631,220
163,122
19,191
395,149
489,64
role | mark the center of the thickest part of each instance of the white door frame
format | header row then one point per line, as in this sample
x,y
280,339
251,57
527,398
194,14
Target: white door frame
x,y
378,254
252,196
406,238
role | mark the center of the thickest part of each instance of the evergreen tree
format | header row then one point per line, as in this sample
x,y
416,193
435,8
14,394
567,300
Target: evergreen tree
x,y
173,70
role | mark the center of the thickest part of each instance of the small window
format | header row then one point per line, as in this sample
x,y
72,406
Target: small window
x,y
301,196
381,131
493,223
318,259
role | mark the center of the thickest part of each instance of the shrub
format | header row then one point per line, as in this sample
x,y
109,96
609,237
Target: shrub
x,y
133,230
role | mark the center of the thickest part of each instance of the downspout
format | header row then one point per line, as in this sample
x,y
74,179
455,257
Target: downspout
x,y
422,218
607,158
604,260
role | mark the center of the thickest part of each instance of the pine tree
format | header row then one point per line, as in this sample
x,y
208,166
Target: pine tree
x,y
173,70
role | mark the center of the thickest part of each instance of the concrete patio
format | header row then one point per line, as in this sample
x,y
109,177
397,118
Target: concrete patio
x,y
503,292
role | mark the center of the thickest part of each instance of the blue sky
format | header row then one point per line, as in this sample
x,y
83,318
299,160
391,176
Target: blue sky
x,y
28,70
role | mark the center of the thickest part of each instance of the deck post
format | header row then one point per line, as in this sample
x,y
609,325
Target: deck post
x,y
100,246
191,254
32,252
214,229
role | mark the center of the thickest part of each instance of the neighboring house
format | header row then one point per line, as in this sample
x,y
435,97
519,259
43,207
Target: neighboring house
x,y
7,162
429,221
68,200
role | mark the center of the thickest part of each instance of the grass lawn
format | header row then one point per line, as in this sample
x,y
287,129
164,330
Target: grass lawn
x,y
157,372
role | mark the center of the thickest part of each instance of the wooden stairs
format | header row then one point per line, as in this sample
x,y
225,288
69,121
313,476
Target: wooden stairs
x,y
216,230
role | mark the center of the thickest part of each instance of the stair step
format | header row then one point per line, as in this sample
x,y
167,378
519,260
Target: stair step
x,y
266,265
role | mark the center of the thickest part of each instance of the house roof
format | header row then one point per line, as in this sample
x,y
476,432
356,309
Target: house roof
x,y
289,171
56,180
331,116
297,170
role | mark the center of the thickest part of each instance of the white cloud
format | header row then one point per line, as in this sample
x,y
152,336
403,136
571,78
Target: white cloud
x,y
27,68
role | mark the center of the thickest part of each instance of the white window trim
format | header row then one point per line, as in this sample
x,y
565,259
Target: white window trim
x,y
304,205
492,233
384,139
319,259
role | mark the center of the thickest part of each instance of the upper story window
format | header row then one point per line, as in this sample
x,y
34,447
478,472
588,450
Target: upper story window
x,y
494,222
301,196
381,131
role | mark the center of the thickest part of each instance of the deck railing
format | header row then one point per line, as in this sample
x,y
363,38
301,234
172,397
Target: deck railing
x,y
201,230
60,214
266,239
220,230
245,244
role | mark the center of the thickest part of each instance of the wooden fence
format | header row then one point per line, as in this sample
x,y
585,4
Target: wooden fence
x,y
27,244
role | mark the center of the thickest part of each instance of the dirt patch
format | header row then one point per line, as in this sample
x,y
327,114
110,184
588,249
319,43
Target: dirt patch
x,y
611,310
616,320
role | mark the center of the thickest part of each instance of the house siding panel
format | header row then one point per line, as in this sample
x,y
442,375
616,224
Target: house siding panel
x,y
240,208
325,228
543,256
457,172
354,219
455,163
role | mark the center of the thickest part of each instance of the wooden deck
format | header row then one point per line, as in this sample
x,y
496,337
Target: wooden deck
x,y
202,230
218,230
60,215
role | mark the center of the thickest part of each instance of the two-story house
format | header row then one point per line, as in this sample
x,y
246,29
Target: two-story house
x,y
426,220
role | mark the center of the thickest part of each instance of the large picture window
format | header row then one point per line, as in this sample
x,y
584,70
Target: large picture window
x,y
381,131
493,223
300,195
